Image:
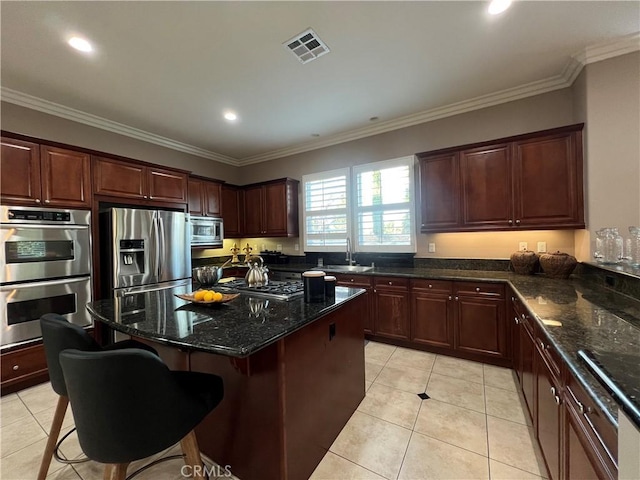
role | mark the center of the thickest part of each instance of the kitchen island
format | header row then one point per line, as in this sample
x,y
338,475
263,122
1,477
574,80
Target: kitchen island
x,y
293,372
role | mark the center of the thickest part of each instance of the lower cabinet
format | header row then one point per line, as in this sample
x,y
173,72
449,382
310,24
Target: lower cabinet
x,y
22,368
549,415
432,313
391,307
360,281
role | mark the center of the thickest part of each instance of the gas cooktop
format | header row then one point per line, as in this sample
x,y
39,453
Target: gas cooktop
x,y
287,290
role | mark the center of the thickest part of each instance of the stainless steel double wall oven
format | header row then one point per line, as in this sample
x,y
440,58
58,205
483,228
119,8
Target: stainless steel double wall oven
x,y
45,256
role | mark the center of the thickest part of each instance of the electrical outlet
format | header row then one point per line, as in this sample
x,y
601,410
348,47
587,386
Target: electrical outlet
x,y
542,247
523,246
296,247
432,248
278,247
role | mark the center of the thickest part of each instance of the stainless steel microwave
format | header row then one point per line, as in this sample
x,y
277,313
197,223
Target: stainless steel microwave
x,y
206,231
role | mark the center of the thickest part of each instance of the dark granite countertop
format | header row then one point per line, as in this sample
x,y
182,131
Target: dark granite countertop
x,y
237,328
575,314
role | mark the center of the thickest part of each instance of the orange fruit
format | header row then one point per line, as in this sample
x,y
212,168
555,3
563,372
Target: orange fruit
x,y
199,295
208,297
217,296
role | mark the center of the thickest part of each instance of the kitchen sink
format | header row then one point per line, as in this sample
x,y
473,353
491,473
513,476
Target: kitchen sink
x,y
346,268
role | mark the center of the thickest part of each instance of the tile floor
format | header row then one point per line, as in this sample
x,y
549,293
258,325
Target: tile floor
x,y
473,426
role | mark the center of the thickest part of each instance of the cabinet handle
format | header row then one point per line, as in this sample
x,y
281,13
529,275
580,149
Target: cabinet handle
x,y
553,391
583,410
15,367
517,222
523,316
557,399
510,222
515,319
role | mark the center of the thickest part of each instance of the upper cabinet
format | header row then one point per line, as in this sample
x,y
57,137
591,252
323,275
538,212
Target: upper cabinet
x,y
131,180
271,209
36,175
232,198
205,197
531,181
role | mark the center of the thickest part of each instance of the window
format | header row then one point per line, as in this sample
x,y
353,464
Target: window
x,y
372,204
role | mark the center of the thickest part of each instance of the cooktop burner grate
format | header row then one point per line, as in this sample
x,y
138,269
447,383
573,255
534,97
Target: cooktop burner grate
x,y
287,290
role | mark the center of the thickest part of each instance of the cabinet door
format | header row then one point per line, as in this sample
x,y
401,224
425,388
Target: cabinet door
x,y
391,307
548,412
578,463
480,326
527,352
431,319
212,199
195,197
119,179
513,317
253,211
440,192
275,209
231,208
22,185
167,185
486,187
548,181
22,368
66,177
360,281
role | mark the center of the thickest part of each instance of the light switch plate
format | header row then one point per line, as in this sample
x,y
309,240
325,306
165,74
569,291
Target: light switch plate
x,y
542,247
523,246
432,248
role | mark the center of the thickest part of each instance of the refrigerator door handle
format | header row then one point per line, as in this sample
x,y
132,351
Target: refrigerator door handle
x,y
161,246
156,233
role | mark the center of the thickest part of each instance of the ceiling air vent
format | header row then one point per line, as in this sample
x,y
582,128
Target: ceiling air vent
x,y
306,46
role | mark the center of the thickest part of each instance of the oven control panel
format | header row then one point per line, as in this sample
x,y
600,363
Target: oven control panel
x,y
39,215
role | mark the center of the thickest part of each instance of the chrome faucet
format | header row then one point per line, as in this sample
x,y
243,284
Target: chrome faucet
x,y
349,259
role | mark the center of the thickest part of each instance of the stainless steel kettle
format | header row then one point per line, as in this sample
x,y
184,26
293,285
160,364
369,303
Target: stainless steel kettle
x,y
258,273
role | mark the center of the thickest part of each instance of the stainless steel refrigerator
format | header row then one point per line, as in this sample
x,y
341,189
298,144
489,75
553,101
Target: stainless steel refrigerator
x,y
143,250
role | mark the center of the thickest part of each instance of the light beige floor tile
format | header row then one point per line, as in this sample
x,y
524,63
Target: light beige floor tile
x,y
458,368
333,467
13,411
371,371
391,404
457,392
18,435
167,470
512,444
406,357
25,463
408,379
39,398
45,418
429,458
499,377
380,353
455,425
500,471
8,398
367,385
65,473
504,404
372,443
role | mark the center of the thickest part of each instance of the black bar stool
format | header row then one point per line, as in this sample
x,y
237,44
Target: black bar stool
x,y
128,405
58,335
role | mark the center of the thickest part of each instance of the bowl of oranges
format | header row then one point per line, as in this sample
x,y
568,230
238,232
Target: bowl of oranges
x,y
207,297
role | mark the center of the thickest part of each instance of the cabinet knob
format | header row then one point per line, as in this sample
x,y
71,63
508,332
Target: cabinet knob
x,y
515,319
15,367
456,299
145,196
37,200
553,390
450,297
477,289
510,222
557,399
517,222
523,316
390,283
430,286
47,201
351,280
151,197
583,410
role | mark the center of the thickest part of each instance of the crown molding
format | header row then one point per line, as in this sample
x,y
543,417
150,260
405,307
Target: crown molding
x,y
51,108
575,64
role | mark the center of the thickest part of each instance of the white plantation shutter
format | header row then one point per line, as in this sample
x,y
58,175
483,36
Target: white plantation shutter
x,y
326,210
384,206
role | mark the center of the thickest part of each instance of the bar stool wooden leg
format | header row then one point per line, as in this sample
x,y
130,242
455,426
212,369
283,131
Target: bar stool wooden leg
x,y
115,471
192,456
56,426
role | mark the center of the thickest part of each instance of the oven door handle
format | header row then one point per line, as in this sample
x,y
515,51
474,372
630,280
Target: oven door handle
x,y
48,283
29,226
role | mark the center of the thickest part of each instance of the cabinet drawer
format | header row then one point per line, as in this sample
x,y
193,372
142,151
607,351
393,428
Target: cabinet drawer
x,y
479,288
391,282
362,281
602,435
435,286
548,351
23,362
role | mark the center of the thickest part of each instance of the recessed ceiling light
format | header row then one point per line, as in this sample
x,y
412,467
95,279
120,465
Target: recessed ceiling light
x,y
498,6
315,134
231,116
80,44
373,119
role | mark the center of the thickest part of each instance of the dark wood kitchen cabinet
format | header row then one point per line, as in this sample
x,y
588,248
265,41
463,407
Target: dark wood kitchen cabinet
x,y
271,209
205,197
360,281
391,307
480,326
432,313
232,198
23,367
136,180
530,181
42,175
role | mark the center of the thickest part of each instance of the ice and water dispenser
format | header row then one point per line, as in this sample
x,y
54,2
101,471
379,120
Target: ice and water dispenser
x,y
131,257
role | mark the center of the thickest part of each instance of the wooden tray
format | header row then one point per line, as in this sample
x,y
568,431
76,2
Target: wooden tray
x,y
226,297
